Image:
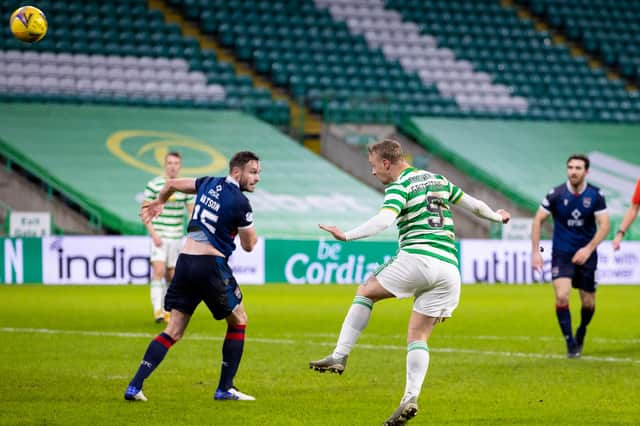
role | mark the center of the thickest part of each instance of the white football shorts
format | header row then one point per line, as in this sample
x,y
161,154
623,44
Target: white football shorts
x,y
435,284
168,252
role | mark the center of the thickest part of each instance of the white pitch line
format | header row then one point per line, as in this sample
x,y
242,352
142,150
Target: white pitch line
x,y
328,344
541,338
604,340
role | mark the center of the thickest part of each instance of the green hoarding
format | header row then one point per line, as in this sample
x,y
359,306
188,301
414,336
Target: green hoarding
x,y
21,260
324,261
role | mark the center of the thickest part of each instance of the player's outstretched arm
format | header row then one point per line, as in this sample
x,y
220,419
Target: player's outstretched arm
x,y
335,231
152,209
376,224
481,209
157,241
186,185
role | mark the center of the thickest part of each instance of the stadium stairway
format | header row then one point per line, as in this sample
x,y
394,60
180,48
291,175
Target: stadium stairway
x,y
19,193
304,124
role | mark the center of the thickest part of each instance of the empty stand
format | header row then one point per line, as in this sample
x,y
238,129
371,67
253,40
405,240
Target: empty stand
x,y
609,29
65,76
304,49
556,85
401,40
120,52
375,60
352,60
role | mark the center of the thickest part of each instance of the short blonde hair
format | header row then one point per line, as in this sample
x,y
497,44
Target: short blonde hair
x,y
387,149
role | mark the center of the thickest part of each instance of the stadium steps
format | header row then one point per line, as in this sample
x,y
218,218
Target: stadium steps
x,y
21,193
560,38
303,122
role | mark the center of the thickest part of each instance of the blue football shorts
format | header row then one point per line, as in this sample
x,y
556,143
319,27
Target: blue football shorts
x,y
203,278
583,277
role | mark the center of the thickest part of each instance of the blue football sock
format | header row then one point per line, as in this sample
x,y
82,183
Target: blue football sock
x,y
585,318
231,355
155,353
564,319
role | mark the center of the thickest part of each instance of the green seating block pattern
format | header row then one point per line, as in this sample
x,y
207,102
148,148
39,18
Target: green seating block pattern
x,y
557,85
303,49
130,28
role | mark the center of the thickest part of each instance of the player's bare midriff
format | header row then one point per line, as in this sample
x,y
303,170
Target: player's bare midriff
x,y
194,247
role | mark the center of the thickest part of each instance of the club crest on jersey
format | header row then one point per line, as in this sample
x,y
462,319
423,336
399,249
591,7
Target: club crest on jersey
x,y
215,194
566,201
586,202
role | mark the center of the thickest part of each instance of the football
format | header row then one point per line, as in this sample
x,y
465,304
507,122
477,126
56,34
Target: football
x,y
28,24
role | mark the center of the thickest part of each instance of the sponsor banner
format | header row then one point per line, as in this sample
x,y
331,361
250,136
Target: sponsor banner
x,y
20,261
324,261
95,260
123,260
496,261
248,267
619,267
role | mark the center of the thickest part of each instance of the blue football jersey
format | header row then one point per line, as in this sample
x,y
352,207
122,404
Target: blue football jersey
x,y
219,210
574,221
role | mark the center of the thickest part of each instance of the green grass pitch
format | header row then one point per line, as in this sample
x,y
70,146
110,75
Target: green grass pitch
x,y
67,353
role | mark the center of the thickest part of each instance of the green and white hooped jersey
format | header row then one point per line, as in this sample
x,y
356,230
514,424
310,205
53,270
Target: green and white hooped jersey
x,y
170,223
422,201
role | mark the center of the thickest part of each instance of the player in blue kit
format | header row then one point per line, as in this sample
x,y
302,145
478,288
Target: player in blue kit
x,y
580,223
202,273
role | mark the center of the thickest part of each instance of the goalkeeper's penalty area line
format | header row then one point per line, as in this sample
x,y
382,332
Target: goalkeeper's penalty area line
x,y
328,344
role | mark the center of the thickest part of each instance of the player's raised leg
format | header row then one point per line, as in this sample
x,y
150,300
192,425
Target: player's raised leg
x,y
354,323
155,353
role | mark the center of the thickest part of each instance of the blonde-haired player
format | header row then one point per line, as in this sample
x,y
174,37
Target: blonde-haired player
x,y
425,268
